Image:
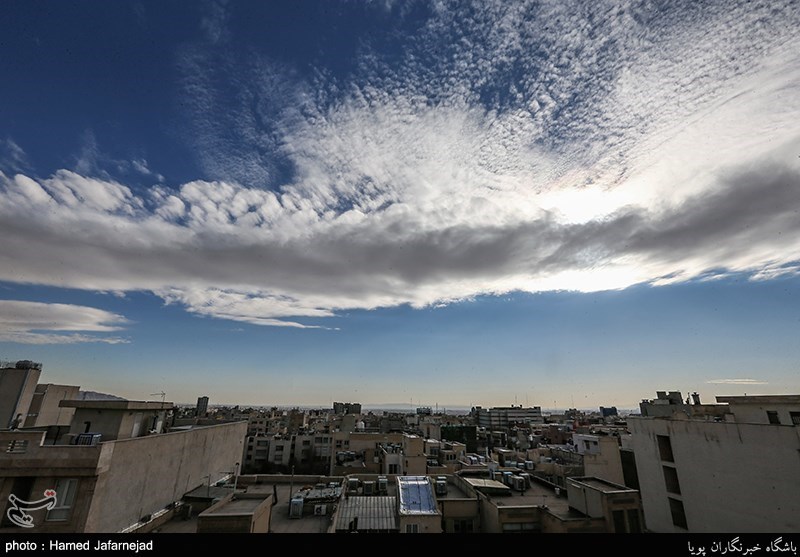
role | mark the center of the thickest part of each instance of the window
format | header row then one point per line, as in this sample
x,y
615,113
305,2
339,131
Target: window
x,y
17,446
773,418
678,514
412,528
665,448
462,526
393,468
65,497
619,521
633,522
22,488
795,417
671,480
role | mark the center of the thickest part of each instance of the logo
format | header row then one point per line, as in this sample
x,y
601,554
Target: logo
x,y
17,514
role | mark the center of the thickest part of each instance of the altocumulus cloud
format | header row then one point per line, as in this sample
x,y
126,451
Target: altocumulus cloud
x,y
520,147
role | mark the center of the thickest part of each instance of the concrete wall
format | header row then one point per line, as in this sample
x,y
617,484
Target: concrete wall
x,y
455,509
757,413
552,524
607,463
45,465
44,409
586,500
17,387
733,477
426,524
143,475
113,423
216,520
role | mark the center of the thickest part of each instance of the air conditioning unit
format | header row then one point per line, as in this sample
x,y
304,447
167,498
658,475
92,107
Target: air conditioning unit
x,y
369,488
320,510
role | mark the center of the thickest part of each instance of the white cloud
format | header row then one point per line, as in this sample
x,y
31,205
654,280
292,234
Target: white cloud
x,y
519,147
737,382
42,323
12,156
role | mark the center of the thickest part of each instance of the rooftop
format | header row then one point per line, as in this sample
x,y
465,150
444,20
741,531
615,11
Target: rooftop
x,y
759,399
416,495
116,404
600,484
372,512
236,506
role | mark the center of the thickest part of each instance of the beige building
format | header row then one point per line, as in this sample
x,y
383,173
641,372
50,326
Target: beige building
x,y
239,513
46,410
736,474
604,459
117,476
17,386
369,505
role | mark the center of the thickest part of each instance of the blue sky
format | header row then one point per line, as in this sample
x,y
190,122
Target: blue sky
x,y
402,202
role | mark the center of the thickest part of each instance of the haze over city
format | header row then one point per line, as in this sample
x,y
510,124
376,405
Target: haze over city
x,y
560,205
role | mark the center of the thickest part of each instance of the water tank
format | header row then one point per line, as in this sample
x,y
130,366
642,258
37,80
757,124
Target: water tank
x,y
296,507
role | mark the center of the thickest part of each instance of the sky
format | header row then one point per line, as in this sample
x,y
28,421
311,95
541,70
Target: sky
x,y
559,204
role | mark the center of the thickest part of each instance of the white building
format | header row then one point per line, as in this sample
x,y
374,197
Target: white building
x,y
738,473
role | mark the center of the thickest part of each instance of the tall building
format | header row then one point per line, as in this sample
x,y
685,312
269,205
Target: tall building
x,y
202,406
346,408
17,386
502,417
732,470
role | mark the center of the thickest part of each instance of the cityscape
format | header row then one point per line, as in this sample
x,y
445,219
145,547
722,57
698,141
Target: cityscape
x,y
399,267
677,465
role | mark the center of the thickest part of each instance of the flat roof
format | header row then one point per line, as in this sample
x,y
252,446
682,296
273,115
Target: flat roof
x,y
373,512
760,399
116,404
245,506
485,484
600,484
416,495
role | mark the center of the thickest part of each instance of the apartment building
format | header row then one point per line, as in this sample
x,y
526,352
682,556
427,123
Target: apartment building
x,y
734,470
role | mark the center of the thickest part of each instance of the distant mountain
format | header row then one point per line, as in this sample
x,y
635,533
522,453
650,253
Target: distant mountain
x,y
92,395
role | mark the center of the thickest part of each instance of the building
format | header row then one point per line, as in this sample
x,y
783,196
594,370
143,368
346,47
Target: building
x,y
417,510
113,470
202,406
18,382
734,470
370,506
503,417
346,408
239,513
46,409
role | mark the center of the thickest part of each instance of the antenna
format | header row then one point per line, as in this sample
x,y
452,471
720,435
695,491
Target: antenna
x,y
162,394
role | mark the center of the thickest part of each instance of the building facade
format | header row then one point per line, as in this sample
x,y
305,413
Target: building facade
x,y
733,474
